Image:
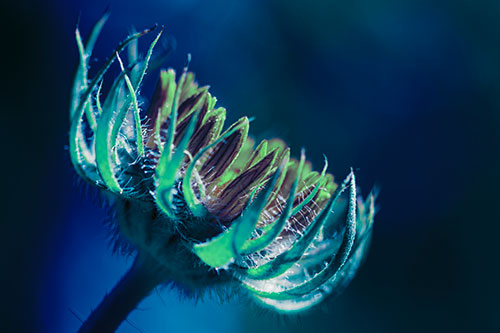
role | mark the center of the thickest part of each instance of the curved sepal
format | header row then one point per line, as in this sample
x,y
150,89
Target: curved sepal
x,y
223,249
272,230
193,203
81,156
110,122
133,88
168,167
313,193
286,303
287,259
333,266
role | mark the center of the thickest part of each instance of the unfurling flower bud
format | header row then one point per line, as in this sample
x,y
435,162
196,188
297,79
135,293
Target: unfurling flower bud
x,y
208,205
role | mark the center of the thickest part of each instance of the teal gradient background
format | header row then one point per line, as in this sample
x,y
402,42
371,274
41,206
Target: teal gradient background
x,y
406,92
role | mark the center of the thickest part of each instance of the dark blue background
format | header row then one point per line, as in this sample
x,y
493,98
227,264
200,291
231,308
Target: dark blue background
x,y
407,92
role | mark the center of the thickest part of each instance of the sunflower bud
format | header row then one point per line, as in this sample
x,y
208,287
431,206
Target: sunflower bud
x,y
209,205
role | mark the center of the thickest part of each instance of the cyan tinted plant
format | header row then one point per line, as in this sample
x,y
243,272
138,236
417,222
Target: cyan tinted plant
x,y
204,207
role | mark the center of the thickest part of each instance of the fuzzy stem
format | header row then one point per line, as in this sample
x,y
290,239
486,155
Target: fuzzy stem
x,y
144,275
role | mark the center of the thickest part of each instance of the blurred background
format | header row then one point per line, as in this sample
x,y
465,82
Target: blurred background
x,y
406,92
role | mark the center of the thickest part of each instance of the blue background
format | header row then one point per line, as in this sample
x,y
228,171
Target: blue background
x,y
407,92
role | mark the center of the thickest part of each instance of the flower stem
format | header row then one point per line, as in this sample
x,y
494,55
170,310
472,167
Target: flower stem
x,y
144,275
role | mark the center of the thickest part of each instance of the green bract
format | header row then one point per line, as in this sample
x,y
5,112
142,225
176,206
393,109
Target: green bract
x,y
203,202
